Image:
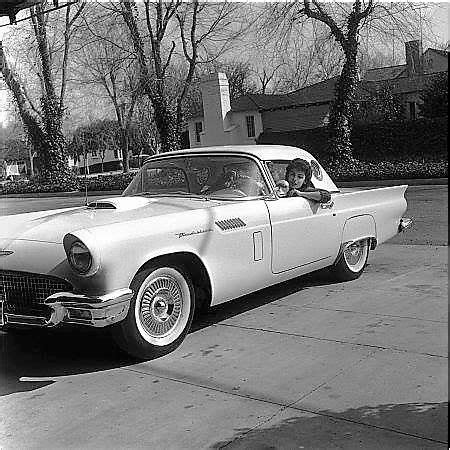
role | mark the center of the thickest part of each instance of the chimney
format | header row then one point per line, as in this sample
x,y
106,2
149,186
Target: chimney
x,y
414,58
216,105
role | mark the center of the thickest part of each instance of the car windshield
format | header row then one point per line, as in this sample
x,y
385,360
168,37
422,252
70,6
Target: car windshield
x,y
199,175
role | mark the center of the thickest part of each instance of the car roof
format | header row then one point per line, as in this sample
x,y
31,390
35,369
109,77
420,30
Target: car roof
x,y
264,152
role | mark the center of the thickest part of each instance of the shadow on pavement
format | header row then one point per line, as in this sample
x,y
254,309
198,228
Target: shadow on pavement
x,y
42,353
28,355
260,298
399,426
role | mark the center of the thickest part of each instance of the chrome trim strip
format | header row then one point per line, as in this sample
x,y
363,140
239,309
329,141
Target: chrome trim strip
x,y
89,301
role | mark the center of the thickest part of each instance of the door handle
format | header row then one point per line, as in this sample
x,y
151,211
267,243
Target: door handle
x,y
327,205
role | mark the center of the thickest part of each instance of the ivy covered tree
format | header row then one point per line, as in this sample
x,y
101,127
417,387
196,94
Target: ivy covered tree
x,y
43,122
346,24
435,97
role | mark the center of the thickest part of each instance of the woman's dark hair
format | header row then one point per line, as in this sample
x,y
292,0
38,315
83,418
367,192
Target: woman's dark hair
x,y
303,166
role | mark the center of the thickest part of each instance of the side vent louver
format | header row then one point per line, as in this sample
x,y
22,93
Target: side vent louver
x,y
101,205
230,224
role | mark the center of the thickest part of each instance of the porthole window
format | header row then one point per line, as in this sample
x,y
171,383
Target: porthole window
x,y
316,170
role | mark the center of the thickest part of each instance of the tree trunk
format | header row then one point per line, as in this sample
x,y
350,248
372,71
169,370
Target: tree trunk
x,y
167,125
342,108
124,146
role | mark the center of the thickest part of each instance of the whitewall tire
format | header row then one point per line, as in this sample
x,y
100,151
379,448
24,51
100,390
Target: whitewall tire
x,y
352,262
160,313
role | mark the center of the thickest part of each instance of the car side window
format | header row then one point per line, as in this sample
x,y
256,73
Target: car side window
x,y
277,169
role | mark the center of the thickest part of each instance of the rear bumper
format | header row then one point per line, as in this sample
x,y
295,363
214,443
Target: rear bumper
x,y
404,224
78,309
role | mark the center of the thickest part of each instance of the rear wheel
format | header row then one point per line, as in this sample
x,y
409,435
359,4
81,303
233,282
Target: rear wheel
x,y
160,313
352,262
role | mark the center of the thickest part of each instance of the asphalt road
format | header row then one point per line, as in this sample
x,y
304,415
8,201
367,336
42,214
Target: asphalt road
x,y
306,364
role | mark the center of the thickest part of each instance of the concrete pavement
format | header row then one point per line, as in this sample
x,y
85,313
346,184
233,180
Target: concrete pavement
x,y
306,364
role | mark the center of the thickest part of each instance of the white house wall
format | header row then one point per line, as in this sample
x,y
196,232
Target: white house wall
x,y
239,133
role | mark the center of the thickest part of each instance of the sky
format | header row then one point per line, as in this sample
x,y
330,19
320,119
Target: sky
x,y
441,18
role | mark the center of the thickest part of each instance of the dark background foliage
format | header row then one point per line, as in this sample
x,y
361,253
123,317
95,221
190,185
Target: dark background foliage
x,y
390,140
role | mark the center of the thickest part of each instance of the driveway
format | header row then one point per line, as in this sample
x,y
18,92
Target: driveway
x,y
305,364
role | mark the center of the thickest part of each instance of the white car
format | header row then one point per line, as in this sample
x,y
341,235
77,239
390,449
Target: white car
x,y
194,228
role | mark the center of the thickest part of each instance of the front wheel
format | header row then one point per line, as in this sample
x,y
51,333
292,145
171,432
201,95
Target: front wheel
x,y
352,262
160,313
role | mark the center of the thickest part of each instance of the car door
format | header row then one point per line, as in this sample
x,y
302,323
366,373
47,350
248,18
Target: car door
x,y
303,232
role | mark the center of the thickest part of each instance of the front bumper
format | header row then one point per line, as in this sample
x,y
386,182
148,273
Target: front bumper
x,y
78,309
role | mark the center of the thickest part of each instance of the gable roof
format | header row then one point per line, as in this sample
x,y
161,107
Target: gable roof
x,y
385,73
438,51
323,92
317,92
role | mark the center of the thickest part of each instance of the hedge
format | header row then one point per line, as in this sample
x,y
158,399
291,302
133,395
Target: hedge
x,y
406,140
388,170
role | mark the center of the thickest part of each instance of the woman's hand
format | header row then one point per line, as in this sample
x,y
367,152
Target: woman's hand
x,y
316,196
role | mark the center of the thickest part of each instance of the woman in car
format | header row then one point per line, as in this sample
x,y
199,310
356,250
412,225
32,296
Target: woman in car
x,y
298,175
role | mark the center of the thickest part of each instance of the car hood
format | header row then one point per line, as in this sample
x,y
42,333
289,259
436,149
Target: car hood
x,y
51,226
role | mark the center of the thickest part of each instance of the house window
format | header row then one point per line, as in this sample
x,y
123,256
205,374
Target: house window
x,y
198,130
250,120
412,110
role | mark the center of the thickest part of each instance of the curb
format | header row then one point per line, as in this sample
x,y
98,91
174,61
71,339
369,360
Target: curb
x,y
409,182
62,194
363,183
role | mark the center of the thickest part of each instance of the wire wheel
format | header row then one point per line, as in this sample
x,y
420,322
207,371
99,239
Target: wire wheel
x,y
162,307
355,255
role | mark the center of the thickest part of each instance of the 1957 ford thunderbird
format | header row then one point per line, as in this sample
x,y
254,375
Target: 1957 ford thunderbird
x,y
194,228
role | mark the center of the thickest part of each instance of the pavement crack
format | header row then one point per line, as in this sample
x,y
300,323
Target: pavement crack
x,y
283,406
291,405
337,341
375,314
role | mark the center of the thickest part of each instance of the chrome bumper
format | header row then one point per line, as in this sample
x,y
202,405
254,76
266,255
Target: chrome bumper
x,y
79,309
404,224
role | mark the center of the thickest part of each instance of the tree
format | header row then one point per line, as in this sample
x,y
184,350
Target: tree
x,y
240,76
435,97
188,25
43,124
102,136
347,24
347,36
103,61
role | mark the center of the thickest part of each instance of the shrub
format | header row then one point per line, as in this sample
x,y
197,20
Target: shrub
x,y
387,170
118,181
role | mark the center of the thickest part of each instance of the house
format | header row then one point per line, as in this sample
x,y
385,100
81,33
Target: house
x,y
258,118
96,160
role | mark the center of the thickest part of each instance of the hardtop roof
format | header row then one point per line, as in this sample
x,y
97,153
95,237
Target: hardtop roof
x,y
263,152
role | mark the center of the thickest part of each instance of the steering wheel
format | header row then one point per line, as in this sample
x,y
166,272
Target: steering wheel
x,y
250,186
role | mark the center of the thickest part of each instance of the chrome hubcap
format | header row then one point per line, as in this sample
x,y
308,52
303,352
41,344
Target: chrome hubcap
x,y
355,255
161,306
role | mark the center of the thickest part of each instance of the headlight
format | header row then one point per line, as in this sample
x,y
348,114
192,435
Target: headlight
x,y
79,257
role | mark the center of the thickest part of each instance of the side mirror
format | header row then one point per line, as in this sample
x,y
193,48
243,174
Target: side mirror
x,y
282,188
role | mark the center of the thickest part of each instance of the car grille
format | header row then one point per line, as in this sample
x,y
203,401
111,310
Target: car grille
x,y
24,293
